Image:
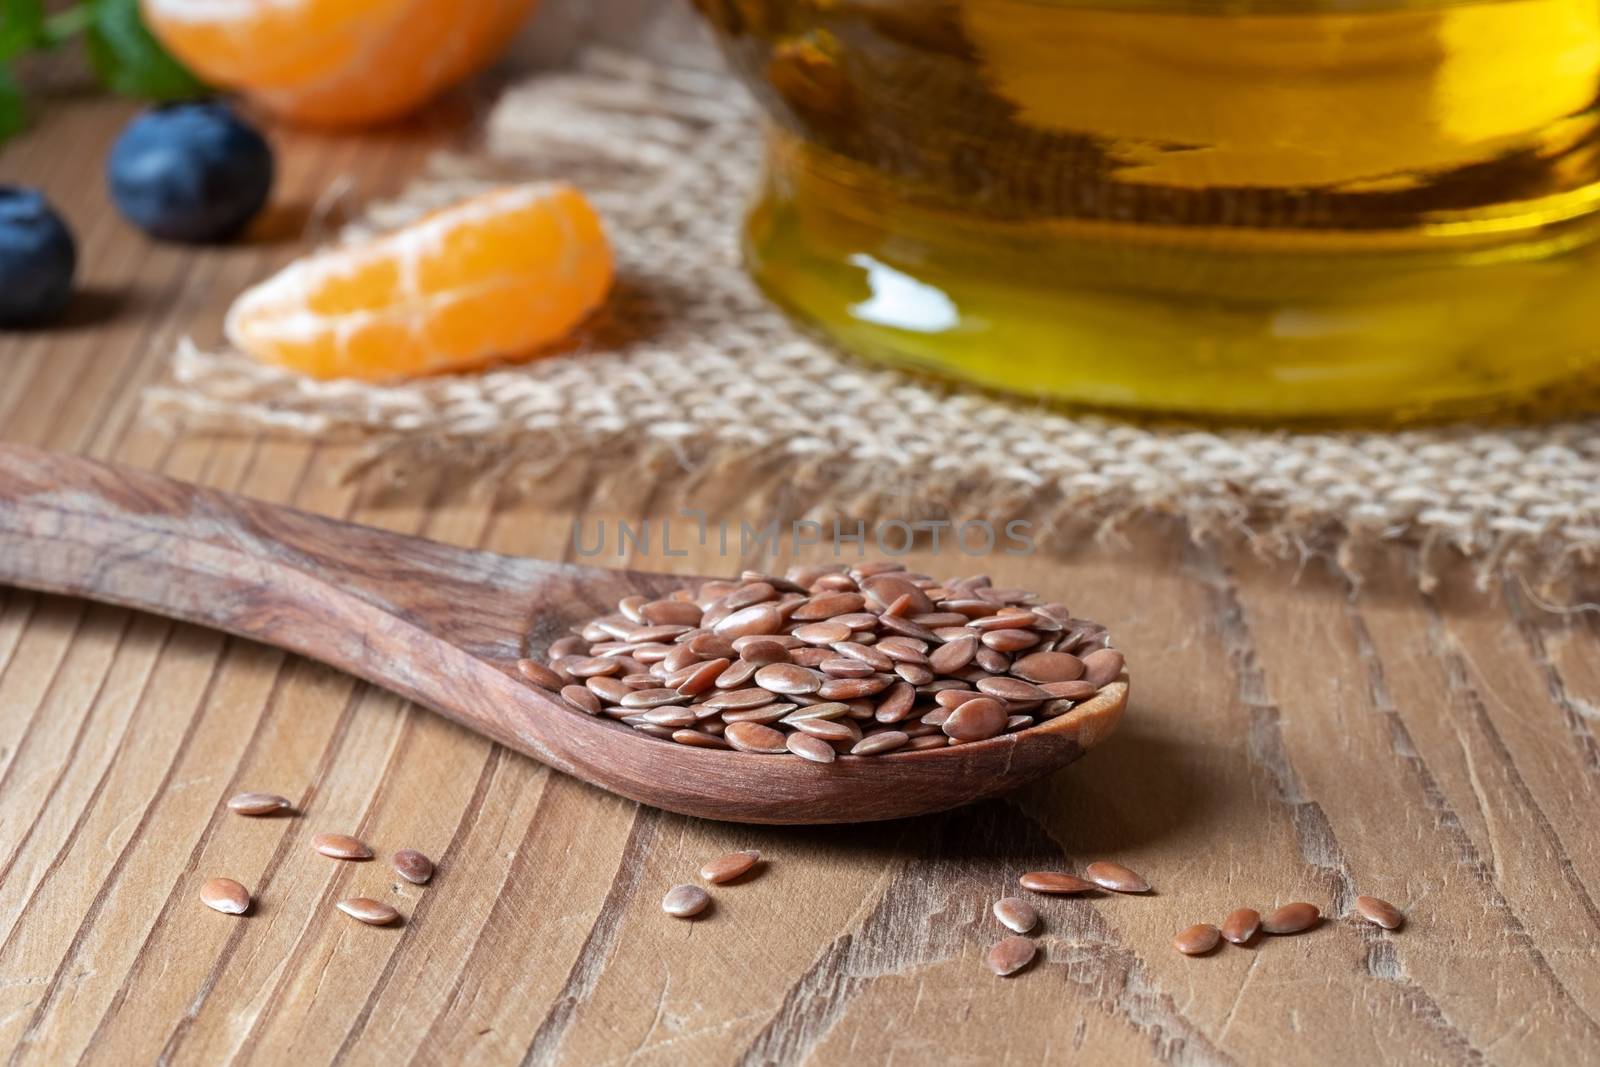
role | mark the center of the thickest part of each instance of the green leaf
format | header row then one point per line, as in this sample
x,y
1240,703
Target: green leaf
x,y
129,60
13,115
22,27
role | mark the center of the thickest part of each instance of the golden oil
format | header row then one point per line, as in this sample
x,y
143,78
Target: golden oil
x,y
1283,210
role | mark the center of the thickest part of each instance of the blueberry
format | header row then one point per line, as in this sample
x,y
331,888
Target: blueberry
x,y
37,258
190,172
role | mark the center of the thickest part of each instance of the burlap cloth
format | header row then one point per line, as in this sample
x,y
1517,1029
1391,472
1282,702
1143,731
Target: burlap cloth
x,y
691,375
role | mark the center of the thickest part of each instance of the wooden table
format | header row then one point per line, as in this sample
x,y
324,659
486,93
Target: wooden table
x,y
1286,741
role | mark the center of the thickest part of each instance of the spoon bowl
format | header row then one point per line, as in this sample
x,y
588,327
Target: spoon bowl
x,y
445,626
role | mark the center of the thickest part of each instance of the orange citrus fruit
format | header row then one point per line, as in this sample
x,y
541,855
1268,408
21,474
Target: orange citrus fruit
x,y
336,62
500,275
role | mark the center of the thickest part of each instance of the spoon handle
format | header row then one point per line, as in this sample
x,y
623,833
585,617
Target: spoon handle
x,y
412,615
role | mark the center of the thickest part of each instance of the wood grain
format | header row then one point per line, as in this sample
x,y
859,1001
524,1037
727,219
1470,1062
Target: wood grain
x,y
1289,740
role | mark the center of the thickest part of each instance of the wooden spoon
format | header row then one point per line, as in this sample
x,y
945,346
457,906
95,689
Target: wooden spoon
x,y
444,626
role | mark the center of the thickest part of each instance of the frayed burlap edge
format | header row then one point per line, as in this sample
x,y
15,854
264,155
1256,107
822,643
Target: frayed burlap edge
x,y
691,379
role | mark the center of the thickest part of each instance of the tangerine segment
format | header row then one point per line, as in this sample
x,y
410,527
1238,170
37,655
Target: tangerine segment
x,y
256,44
500,275
336,62
403,67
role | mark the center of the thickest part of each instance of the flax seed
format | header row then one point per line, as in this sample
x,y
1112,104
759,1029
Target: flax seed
x,y
412,865
896,703
976,720
876,658
880,741
853,688
225,895
1011,689
698,739
1197,940
736,699
257,803
571,645
365,909
1042,667
788,678
1010,955
1379,912
1054,882
581,698
1010,640
830,709
609,690
692,681
1241,925
341,847
872,644
828,606
765,714
1291,919
670,613
952,657
675,718
651,635
762,651
588,668
1016,914
845,667
630,607
812,748
1102,666
1075,690
726,868
754,737
823,633
645,699
680,658
756,619
540,675
685,901
827,729
1116,877
740,672
711,646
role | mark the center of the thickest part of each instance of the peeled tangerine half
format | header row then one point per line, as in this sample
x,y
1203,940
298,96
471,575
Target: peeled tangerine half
x,y
498,276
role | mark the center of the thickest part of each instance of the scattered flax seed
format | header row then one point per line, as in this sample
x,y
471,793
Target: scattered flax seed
x,y
258,803
1116,877
685,901
727,868
1379,912
365,909
341,847
1010,955
1016,914
1241,925
1291,919
540,675
891,646
1197,940
1055,882
225,895
412,865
